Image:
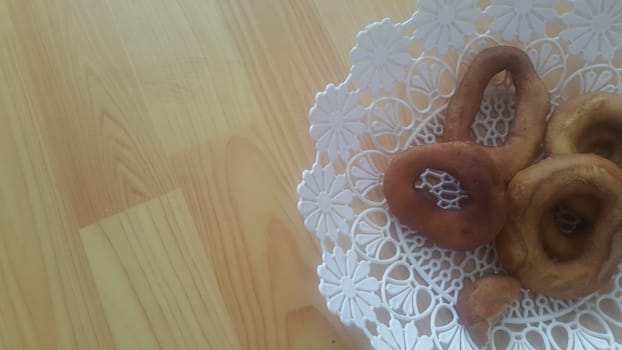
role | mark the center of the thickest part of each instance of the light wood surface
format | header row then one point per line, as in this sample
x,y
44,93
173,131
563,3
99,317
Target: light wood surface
x,y
149,155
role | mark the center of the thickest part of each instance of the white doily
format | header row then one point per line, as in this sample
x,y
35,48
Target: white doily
x,y
390,281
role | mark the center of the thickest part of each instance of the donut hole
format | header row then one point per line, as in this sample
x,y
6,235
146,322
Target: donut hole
x,y
492,123
568,226
604,148
442,188
602,139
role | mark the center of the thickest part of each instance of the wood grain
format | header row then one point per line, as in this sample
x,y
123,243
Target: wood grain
x,y
47,295
102,142
184,82
270,260
157,287
149,155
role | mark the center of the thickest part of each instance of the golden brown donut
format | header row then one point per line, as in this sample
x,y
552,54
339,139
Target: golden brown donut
x,y
483,302
482,214
588,123
524,138
537,190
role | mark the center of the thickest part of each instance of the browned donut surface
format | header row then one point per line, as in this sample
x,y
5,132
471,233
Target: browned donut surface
x,y
533,192
526,133
483,302
588,123
481,215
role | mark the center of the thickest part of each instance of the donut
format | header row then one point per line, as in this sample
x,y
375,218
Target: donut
x,y
538,189
523,142
482,303
481,214
588,123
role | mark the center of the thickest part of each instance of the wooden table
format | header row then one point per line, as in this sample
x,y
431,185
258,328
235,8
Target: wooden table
x,y
149,156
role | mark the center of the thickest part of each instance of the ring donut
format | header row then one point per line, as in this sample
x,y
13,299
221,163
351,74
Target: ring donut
x,y
537,190
480,216
524,138
588,123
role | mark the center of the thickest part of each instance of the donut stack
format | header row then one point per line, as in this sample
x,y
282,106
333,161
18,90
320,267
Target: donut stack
x,y
515,202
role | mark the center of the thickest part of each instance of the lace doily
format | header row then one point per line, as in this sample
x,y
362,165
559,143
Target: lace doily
x,y
378,275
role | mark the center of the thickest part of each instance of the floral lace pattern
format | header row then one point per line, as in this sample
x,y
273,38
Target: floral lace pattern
x,y
521,18
380,56
388,280
396,336
337,121
324,201
442,24
594,28
349,288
